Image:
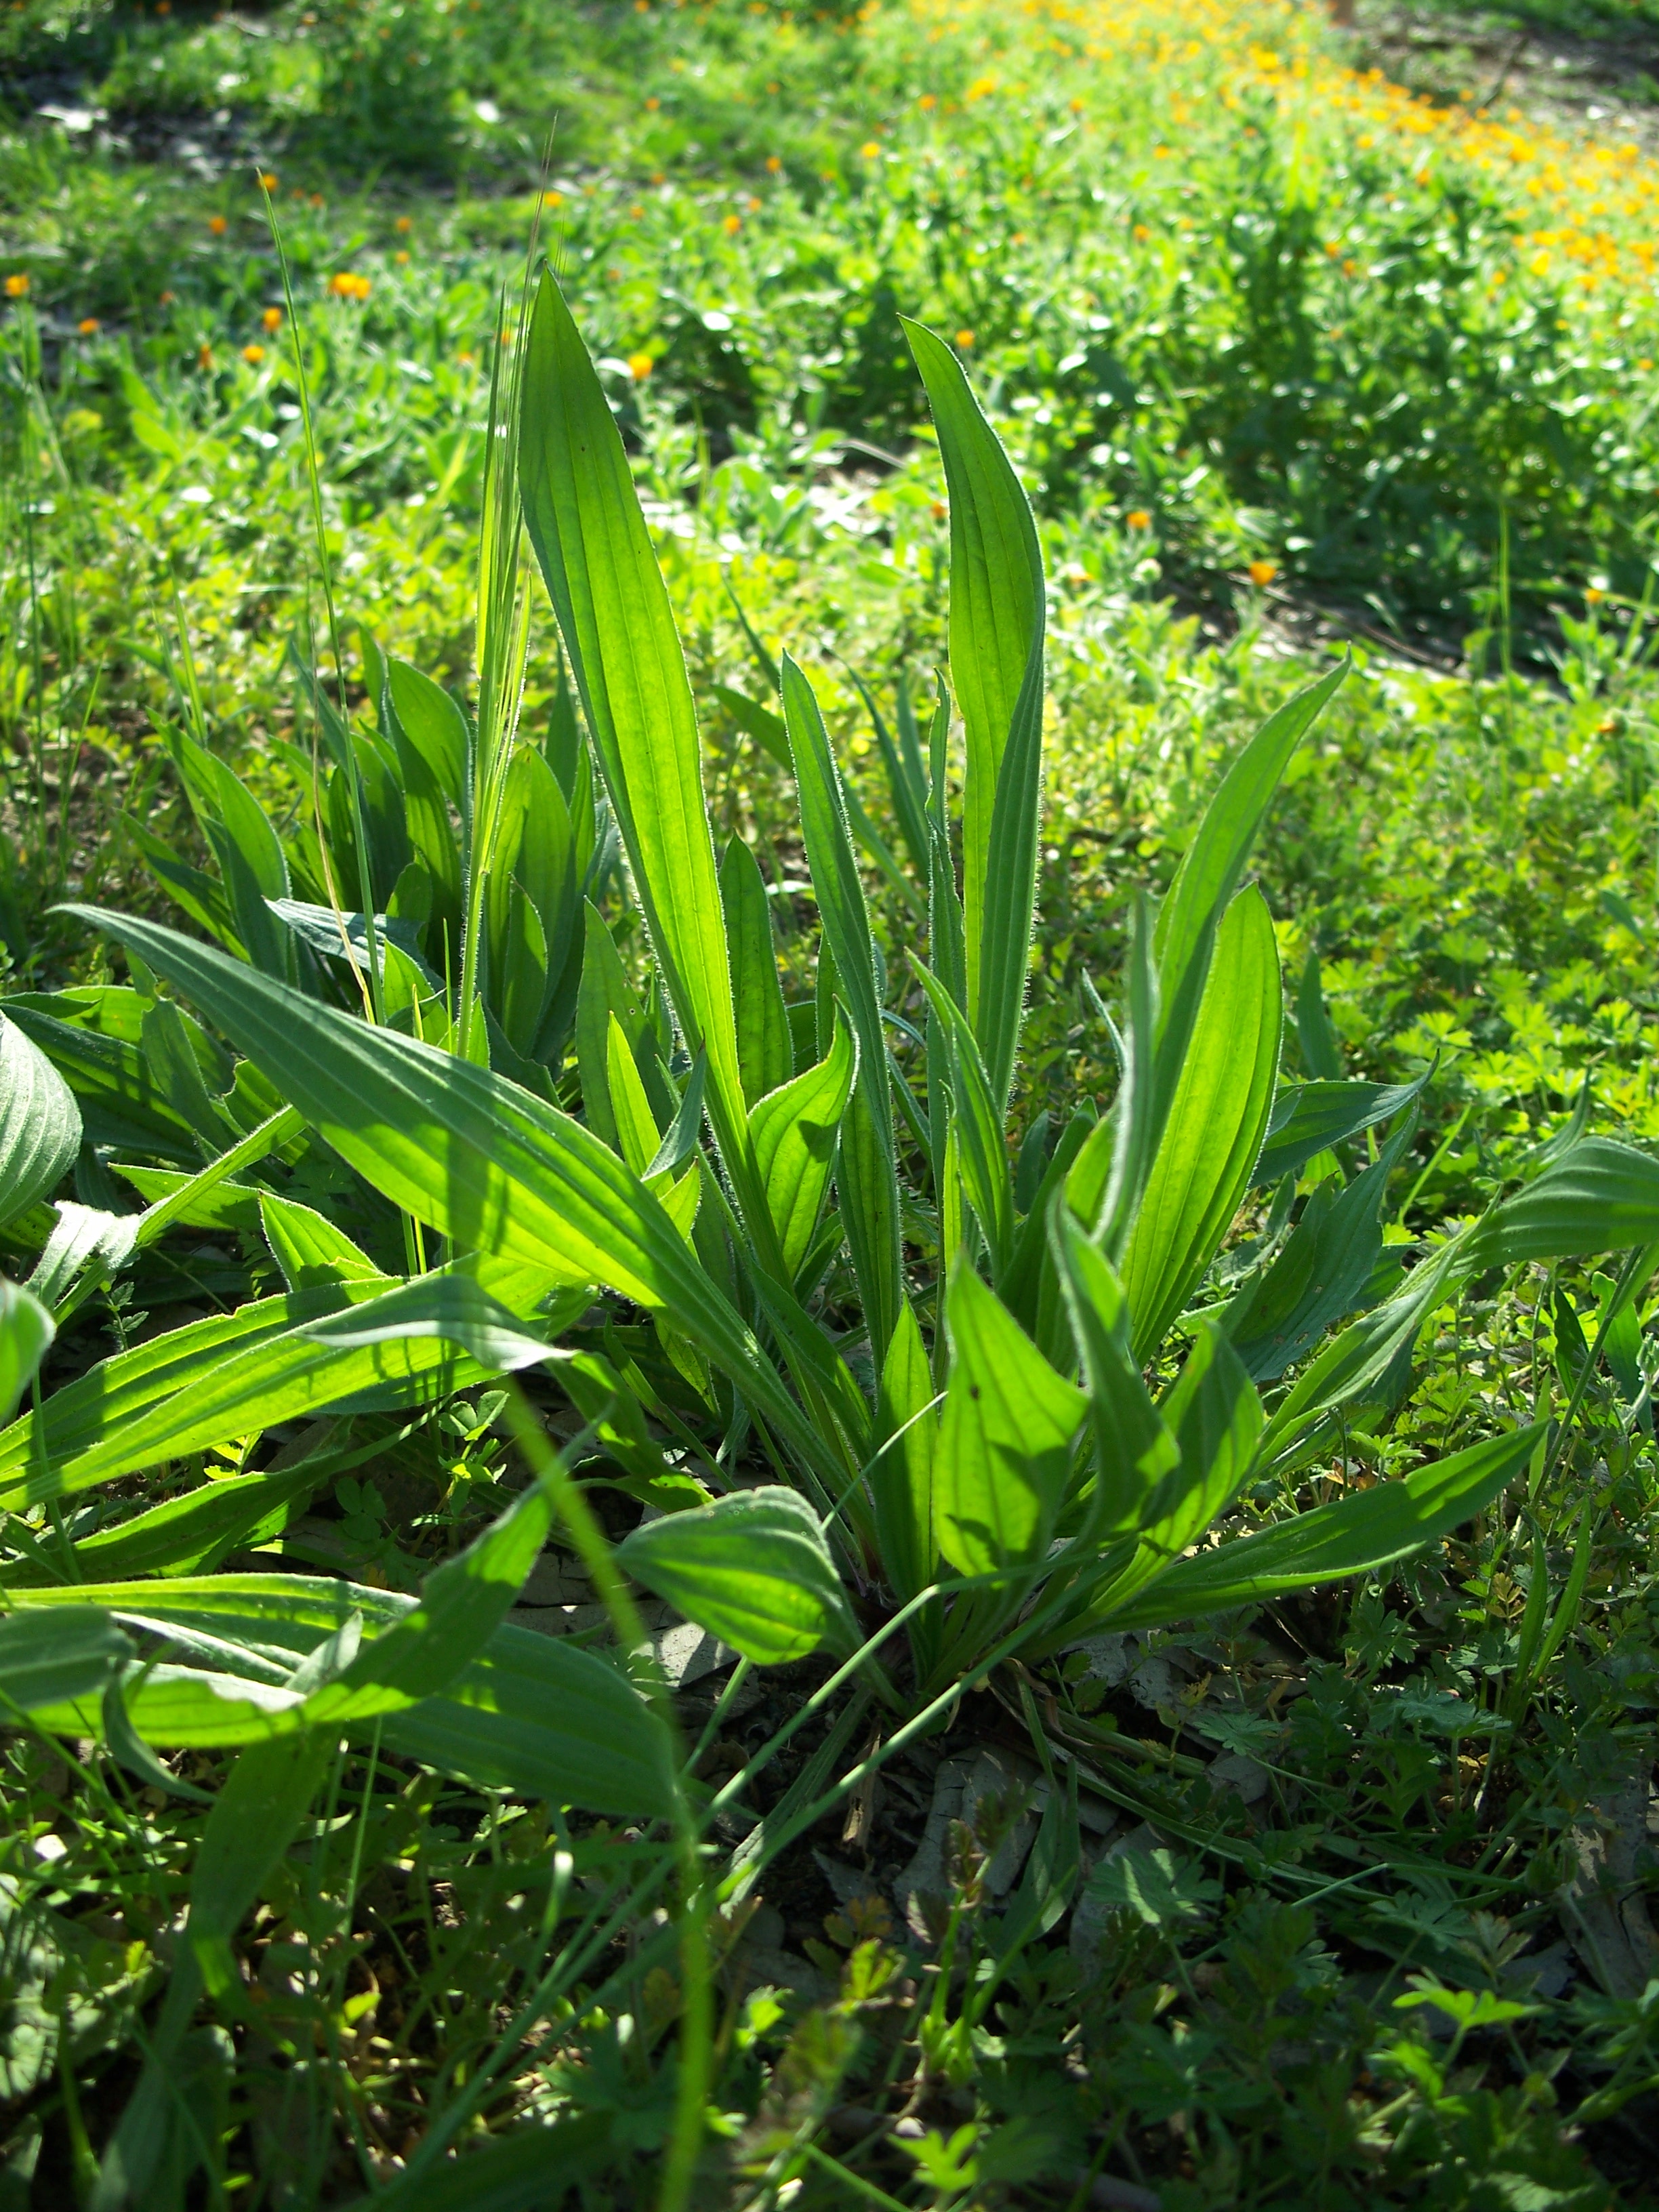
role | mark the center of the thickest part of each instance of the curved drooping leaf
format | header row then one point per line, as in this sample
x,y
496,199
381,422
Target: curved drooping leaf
x,y
26,1331
1599,1197
40,1123
53,1658
1311,1117
485,1162
752,1569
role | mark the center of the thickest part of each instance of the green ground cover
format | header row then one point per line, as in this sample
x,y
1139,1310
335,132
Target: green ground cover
x,y
1337,1893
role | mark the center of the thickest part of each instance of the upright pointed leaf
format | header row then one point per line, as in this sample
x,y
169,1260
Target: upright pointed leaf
x,y
1217,1119
764,1055
583,519
901,1474
1005,1445
996,668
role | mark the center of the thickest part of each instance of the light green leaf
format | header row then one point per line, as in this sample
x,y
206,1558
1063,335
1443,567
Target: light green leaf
x,y
1005,1437
902,1473
40,1124
1352,1535
310,1250
996,668
27,1330
793,1132
1599,1197
1214,861
483,1161
1135,1450
752,1569
50,1658
1217,1119
1311,1117
583,519
763,1046
976,1126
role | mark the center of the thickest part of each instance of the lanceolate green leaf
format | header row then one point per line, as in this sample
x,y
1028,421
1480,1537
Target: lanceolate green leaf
x,y
763,1047
583,519
1312,1117
26,1331
996,667
902,1473
1217,1119
40,1124
1214,861
1352,1535
488,1165
793,1132
51,1658
870,1209
1005,1445
1599,1197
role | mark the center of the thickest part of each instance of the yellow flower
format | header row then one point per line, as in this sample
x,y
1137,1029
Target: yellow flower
x,y
733,224
272,319
640,366
89,327
253,355
1142,233
1262,572
348,286
1138,518
928,101
216,225
17,285
1593,597
870,150
269,180
405,225
964,339
653,103
773,164
205,356
636,213
401,258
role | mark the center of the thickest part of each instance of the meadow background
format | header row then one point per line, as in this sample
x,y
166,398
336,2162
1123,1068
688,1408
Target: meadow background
x,y
1294,351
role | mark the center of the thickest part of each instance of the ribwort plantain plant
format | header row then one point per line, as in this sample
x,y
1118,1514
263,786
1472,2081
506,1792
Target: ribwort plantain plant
x,y
898,1377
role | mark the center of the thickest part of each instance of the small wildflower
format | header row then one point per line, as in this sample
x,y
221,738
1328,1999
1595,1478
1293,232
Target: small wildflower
x,y
216,225
253,355
89,327
205,356
733,224
1262,573
317,200
751,203
1351,269
269,180
870,150
1076,106
928,101
405,225
1593,595
401,258
17,285
1138,518
640,366
348,286
964,339
939,509
636,213
653,103
1644,365
272,319
1142,233
773,164
166,299
468,358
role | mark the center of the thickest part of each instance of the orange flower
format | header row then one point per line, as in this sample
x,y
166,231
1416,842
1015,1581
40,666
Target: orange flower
x,y
401,258
216,225
964,339
166,299
1262,572
253,355
348,286
733,224
89,327
652,102
404,223
640,366
272,319
17,287
1142,233
928,101
1594,596
636,213
205,355
269,180
1138,518
773,164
